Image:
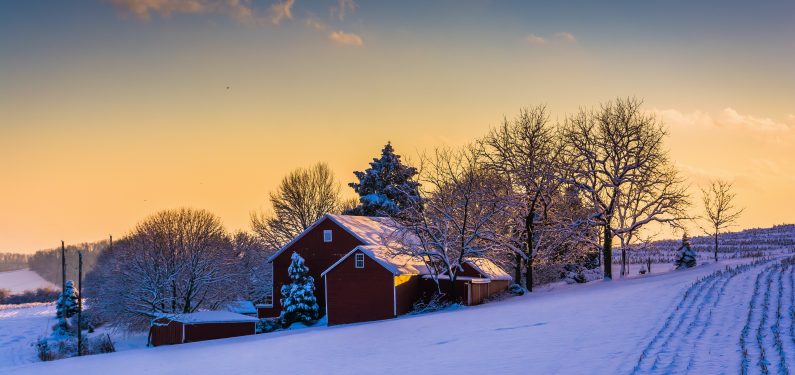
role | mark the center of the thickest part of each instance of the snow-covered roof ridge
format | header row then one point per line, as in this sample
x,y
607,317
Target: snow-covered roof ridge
x,y
394,262
379,231
209,317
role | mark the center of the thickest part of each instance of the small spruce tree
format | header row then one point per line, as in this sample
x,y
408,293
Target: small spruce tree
x,y
298,297
386,188
685,257
66,306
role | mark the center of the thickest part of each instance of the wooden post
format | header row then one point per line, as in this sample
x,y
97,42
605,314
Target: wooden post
x,y
79,303
63,267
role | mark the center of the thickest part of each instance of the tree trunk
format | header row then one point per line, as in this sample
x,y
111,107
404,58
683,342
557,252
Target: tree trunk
x,y
453,289
624,270
607,251
529,274
716,246
517,278
528,226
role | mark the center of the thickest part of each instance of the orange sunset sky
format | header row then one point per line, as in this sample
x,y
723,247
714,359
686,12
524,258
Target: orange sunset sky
x,y
112,110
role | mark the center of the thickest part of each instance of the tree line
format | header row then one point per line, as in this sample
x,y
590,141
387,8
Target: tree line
x,y
530,194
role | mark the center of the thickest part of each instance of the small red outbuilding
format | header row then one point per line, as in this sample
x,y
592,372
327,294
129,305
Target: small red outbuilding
x,y
200,326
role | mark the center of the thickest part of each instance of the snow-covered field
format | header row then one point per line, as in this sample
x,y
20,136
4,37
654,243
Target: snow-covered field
x,y
695,321
20,326
21,280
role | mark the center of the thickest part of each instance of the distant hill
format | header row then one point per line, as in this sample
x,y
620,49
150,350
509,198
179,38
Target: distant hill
x,y
756,242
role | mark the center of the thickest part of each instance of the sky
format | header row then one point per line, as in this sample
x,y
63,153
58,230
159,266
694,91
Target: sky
x,y
111,110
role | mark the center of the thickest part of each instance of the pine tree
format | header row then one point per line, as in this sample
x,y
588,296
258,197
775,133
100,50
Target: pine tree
x,y
67,302
386,188
686,257
298,297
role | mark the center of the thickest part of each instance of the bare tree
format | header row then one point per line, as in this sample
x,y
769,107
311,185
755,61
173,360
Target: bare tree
x,y
658,197
525,151
611,151
463,215
303,197
175,261
719,206
255,273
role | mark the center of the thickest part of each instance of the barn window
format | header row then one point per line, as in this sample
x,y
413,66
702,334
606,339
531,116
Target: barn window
x,y
327,235
359,260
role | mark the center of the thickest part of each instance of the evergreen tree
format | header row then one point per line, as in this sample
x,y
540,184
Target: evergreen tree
x,y
67,302
386,188
298,297
686,257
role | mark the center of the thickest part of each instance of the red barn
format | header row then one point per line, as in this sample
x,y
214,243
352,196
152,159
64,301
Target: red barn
x,y
359,277
200,326
321,245
374,282
371,283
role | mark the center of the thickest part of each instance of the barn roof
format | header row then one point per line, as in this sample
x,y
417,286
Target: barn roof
x,y
209,317
396,263
379,231
488,269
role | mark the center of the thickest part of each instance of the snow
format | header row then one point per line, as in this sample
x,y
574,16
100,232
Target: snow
x,y
21,280
242,307
22,325
662,323
211,317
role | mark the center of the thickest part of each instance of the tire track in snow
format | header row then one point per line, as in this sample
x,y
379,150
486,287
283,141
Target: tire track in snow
x,y
656,347
778,343
708,321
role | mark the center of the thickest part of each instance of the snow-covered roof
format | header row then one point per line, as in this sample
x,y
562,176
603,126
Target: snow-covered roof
x,y
242,307
209,317
489,269
396,263
475,280
380,231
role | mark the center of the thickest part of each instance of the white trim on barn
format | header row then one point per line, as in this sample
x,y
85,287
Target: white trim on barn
x,y
325,291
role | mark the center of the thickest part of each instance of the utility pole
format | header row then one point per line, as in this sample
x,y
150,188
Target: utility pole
x,y
63,267
79,303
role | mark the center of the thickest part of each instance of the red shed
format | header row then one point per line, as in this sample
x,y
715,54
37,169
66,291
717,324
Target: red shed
x,y
371,283
200,326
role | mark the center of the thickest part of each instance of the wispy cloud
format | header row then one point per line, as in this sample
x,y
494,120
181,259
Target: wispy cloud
x,y
536,40
144,9
727,119
562,37
281,10
343,8
314,24
566,37
344,38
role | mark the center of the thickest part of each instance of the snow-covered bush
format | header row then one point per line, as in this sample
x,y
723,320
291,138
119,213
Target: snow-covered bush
x,y
102,344
686,257
435,303
577,274
516,289
298,297
66,306
266,325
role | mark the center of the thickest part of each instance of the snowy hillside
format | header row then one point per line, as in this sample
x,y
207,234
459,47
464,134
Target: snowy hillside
x,y
757,242
705,320
22,280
